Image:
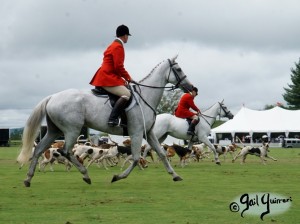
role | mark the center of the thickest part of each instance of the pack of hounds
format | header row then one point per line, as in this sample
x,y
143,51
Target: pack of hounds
x,y
110,154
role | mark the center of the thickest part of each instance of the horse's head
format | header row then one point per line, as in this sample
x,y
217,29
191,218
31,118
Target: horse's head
x,y
177,77
224,112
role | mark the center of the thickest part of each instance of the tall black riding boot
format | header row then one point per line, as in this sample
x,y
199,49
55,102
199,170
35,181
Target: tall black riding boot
x,y
116,111
191,130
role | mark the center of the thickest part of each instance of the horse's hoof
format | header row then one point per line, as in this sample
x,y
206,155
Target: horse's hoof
x,y
218,163
178,178
115,178
27,183
87,180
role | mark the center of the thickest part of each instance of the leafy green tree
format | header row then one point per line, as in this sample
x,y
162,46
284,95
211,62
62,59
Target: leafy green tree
x,y
270,106
169,101
292,92
16,134
267,106
217,123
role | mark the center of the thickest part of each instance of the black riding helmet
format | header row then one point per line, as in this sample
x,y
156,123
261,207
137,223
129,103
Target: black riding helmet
x,y
195,89
122,30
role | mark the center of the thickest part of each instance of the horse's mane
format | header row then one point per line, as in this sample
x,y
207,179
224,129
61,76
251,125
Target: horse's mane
x,y
210,107
151,71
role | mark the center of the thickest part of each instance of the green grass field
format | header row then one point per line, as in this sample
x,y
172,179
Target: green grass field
x,y
148,196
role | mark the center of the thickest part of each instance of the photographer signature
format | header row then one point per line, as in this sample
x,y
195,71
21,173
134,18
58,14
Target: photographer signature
x,y
260,203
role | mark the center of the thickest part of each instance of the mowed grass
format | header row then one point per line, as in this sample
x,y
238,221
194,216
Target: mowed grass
x,y
148,196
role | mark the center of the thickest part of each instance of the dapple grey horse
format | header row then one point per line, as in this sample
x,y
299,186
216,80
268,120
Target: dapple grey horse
x,y
68,111
167,124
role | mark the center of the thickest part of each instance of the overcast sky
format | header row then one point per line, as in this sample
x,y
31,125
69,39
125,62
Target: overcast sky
x,y
237,50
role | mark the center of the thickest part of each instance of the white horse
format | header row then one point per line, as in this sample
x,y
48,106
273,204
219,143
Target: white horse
x,y
167,124
68,111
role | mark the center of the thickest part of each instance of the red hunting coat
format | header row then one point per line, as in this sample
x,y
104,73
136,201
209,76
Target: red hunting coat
x,y
112,71
183,109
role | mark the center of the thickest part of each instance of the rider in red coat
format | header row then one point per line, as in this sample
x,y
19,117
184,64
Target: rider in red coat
x,y
183,109
112,71
112,76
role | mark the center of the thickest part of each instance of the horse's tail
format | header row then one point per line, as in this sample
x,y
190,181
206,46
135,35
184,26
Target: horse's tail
x,y
31,130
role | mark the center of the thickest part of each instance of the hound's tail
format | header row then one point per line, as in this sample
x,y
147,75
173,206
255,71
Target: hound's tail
x,y
31,130
240,141
80,136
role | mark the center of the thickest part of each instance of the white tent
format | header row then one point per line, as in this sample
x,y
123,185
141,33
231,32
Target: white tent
x,y
275,120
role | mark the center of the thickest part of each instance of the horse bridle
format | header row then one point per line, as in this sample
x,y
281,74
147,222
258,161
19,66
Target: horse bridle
x,y
225,111
221,108
179,80
175,71
176,74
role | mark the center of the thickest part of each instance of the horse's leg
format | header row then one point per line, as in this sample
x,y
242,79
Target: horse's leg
x,y
148,147
190,145
136,142
70,140
152,140
40,148
208,143
80,167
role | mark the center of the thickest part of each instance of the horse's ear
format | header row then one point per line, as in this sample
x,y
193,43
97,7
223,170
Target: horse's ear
x,y
175,57
222,101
